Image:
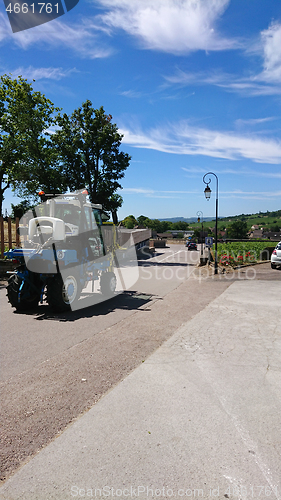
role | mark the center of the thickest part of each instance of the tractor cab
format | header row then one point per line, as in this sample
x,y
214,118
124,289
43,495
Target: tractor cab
x,y
63,249
70,221
66,253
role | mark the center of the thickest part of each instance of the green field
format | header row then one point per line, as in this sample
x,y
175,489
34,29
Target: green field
x,y
235,253
266,220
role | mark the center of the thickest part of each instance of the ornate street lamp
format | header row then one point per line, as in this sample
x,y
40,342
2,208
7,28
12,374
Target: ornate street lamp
x,y
207,192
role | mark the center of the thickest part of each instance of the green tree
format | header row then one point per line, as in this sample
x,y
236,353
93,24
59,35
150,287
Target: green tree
x,y
180,225
28,159
164,226
155,225
88,144
142,220
115,202
145,222
237,230
21,208
130,222
196,233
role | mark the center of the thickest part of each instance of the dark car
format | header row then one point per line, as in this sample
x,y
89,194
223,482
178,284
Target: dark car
x,y
191,245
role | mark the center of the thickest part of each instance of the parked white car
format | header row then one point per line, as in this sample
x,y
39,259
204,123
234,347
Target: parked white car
x,y
276,256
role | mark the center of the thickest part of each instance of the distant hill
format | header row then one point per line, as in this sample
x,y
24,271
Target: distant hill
x,y
184,219
258,218
262,218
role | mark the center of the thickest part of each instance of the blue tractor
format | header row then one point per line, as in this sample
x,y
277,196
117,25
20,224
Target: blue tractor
x,y
63,249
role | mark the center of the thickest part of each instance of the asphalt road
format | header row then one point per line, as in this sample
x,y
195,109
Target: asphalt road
x,y
55,367
28,339
46,357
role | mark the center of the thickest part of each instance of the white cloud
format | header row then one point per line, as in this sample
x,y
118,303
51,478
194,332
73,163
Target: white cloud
x,y
137,191
176,194
240,172
184,139
267,82
174,26
32,73
149,193
131,94
5,29
252,195
52,130
254,121
250,86
271,39
81,38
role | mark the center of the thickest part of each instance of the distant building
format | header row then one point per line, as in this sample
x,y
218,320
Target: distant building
x,y
256,233
266,235
175,232
163,236
273,236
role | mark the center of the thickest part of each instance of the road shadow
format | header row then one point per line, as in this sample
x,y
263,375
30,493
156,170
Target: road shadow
x,y
127,300
144,263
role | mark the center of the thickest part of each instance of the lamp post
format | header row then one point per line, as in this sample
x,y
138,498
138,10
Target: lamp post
x,y
200,215
207,192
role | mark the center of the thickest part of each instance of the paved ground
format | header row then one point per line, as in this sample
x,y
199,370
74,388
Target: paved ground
x,y
199,418
71,382
30,339
45,357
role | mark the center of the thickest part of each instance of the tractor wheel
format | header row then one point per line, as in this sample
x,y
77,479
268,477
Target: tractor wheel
x,y
61,295
30,296
108,284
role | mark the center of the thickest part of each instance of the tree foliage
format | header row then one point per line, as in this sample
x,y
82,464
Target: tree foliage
x,y
83,149
130,222
28,159
237,230
88,144
21,208
180,225
155,224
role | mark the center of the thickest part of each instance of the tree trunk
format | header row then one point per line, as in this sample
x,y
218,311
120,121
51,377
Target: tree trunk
x,y
95,183
2,189
114,217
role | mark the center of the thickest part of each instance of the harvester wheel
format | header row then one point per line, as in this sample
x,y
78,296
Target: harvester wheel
x,y
30,297
61,295
108,284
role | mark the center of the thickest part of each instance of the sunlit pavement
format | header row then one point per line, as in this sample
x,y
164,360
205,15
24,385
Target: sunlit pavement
x,y
199,418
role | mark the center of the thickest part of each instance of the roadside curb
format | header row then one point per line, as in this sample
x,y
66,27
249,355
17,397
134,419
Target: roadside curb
x,y
252,264
210,268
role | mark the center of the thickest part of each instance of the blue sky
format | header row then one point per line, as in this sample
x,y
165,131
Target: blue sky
x,y
194,86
